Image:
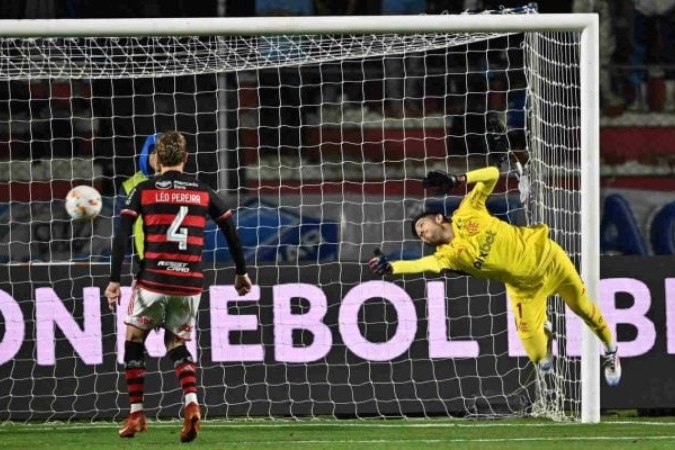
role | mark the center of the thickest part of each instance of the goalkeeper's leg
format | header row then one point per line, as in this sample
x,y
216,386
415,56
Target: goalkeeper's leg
x,y
572,290
534,331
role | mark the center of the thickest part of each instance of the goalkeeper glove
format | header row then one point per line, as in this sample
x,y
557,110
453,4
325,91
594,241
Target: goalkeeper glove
x,y
379,264
440,182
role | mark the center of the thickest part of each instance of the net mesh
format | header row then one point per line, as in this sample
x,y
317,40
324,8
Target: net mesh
x,y
320,142
141,57
553,74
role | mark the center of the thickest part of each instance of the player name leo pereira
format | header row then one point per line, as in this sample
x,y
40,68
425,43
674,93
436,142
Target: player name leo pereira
x,y
175,196
194,198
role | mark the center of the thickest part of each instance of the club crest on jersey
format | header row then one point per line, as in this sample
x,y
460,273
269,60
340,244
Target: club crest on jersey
x,y
163,184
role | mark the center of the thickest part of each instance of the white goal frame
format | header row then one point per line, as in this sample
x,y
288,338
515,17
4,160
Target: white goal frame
x,y
585,24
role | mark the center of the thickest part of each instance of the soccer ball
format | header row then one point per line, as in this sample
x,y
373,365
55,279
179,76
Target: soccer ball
x,y
83,203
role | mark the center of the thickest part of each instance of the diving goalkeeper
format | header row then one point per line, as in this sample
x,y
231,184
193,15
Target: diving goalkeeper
x,y
532,266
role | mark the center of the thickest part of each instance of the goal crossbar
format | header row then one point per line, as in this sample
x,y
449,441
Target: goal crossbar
x,y
230,26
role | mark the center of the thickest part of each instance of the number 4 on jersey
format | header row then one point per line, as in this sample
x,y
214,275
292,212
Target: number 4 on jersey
x,y
175,234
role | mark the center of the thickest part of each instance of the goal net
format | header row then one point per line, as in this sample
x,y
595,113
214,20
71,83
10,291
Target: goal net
x,y
320,141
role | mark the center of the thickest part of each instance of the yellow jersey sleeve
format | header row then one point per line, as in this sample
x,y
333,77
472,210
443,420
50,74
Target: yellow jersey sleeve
x,y
430,263
139,237
485,180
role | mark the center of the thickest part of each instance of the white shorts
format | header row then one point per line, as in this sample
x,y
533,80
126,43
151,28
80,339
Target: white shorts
x,y
175,313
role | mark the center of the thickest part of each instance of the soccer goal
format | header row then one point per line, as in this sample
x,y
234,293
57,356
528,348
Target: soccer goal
x,y
319,131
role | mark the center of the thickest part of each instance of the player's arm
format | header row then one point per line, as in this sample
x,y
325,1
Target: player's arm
x,y
380,265
121,201
242,282
226,225
128,215
442,183
484,179
222,216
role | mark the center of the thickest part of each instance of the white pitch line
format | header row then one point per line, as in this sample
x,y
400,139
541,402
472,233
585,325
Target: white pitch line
x,y
300,424
426,424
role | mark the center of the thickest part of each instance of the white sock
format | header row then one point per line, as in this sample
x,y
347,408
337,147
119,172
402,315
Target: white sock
x,y
135,407
190,398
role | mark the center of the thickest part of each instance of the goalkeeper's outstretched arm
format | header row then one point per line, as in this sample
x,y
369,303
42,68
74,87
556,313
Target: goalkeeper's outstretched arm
x,y
380,265
484,179
427,264
442,183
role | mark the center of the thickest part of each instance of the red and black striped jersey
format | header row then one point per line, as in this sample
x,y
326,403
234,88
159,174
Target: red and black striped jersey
x,y
174,208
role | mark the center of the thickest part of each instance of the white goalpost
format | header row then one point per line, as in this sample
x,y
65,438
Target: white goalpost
x,y
318,131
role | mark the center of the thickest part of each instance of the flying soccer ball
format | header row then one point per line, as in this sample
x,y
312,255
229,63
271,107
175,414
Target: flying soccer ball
x,y
83,203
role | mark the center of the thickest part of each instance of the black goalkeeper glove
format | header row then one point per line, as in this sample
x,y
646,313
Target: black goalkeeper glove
x,y
440,182
379,264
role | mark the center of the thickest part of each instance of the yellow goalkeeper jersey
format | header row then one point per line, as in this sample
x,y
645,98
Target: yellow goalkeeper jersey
x,y
485,246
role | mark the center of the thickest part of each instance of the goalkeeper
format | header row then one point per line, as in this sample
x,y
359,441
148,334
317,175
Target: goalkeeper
x,y
532,266
147,164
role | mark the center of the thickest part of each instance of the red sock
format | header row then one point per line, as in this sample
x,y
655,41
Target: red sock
x,y
135,383
187,376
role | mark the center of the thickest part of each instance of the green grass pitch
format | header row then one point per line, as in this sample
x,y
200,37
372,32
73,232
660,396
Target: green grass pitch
x,y
521,434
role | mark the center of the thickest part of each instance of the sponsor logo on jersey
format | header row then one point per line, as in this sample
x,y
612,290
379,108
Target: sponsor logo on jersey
x,y
178,184
174,266
472,227
163,184
484,250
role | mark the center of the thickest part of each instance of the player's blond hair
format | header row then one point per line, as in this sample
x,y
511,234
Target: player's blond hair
x,y
171,149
